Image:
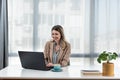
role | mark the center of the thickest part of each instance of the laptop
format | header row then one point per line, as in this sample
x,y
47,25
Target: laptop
x,y
33,60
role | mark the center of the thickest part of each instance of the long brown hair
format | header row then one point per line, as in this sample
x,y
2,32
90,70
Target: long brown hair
x,y
59,28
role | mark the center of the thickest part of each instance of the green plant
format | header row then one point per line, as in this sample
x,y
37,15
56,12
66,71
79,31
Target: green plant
x,y
107,56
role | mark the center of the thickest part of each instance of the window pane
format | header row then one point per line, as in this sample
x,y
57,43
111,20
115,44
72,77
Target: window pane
x,y
20,15
107,25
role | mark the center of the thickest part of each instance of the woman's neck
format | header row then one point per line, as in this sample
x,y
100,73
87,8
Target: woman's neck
x,y
57,43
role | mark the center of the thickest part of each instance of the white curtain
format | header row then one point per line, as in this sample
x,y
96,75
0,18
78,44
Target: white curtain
x,y
107,30
91,26
30,23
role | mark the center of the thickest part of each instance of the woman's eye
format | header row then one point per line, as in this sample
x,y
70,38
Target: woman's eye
x,y
52,33
56,34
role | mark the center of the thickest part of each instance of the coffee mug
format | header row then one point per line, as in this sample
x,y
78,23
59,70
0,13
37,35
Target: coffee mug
x,y
57,67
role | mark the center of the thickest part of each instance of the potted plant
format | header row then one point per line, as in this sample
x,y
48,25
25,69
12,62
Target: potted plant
x,y
107,66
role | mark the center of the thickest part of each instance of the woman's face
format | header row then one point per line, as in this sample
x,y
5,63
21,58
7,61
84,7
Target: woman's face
x,y
56,35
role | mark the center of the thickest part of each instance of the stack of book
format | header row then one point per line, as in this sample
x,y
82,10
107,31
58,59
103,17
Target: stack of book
x,y
90,72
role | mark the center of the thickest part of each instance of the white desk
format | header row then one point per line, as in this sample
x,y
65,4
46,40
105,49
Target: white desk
x,y
69,73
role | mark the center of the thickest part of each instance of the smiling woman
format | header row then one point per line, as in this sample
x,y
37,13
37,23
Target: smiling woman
x,y
57,50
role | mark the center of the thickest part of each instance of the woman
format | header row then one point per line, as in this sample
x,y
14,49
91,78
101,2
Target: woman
x,y
57,51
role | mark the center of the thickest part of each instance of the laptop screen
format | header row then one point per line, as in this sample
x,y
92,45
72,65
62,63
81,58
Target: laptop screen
x,y
32,60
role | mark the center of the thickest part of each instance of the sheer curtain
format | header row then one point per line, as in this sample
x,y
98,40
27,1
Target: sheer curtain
x,y
107,30
31,21
107,24
20,16
91,26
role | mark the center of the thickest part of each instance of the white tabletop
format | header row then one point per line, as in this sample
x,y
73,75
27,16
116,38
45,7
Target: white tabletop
x,y
70,72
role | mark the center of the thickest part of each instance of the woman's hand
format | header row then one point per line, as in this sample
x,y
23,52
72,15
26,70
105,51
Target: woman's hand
x,y
50,65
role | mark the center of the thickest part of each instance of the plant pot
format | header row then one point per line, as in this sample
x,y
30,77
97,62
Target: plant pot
x,y
108,69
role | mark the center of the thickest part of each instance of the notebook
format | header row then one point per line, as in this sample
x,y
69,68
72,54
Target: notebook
x,y
33,60
90,72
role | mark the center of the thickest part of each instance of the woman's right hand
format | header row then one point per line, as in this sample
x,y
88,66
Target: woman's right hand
x,y
50,65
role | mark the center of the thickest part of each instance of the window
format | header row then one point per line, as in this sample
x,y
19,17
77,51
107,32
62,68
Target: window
x,y
20,17
30,23
91,26
107,25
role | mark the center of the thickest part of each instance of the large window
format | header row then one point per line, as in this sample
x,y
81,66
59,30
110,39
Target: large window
x,y
30,23
91,26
